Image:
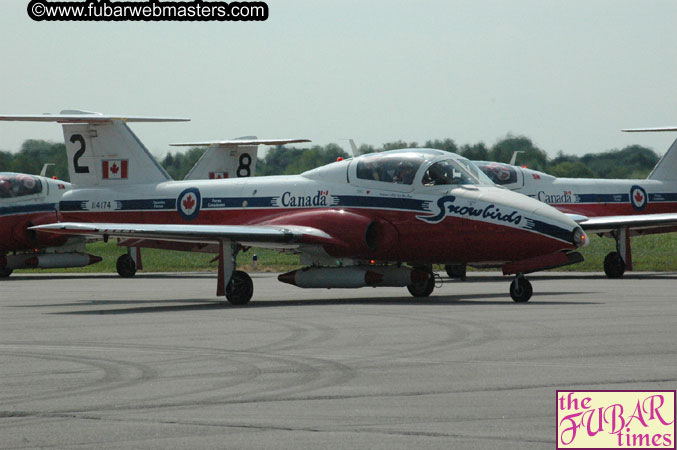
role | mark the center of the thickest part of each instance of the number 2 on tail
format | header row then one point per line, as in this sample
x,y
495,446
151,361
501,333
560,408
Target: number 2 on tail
x,y
78,168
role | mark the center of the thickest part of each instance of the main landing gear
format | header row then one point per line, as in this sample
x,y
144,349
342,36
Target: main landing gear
x,y
614,266
456,271
129,263
616,263
126,266
423,282
422,288
5,273
239,288
520,289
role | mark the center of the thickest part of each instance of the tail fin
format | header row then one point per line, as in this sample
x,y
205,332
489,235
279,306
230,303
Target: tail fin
x,y
230,159
666,168
102,150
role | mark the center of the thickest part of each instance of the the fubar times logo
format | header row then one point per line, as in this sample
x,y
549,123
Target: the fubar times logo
x,y
615,419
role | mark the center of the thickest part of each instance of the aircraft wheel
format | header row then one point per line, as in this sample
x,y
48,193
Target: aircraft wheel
x,y
126,266
456,271
240,288
614,266
5,273
521,290
423,289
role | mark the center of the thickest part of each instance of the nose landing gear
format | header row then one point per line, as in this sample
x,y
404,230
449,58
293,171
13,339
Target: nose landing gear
x,y
520,289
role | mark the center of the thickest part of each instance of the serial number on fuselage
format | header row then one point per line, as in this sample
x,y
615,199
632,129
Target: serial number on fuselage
x,y
101,205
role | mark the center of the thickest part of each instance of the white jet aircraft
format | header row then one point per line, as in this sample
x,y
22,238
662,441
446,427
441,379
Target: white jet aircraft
x,y
374,220
615,208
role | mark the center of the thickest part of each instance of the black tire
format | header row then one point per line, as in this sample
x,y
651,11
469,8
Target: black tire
x,y
456,271
614,266
240,288
126,266
423,289
5,273
521,290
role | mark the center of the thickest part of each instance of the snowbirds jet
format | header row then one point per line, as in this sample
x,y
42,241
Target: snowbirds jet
x,y
374,220
29,200
615,208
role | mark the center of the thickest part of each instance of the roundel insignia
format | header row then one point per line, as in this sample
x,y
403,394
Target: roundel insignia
x,y
638,198
188,203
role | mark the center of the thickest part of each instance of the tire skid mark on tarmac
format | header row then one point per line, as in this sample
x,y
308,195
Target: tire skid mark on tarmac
x,y
116,374
346,429
304,374
300,334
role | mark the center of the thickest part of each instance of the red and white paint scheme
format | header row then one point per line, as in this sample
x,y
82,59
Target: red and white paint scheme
x,y
26,201
374,220
611,207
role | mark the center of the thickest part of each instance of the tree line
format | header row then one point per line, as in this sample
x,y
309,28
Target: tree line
x,y
633,161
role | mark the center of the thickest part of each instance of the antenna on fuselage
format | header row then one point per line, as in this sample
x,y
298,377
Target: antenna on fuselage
x,y
353,148
514,156
43,172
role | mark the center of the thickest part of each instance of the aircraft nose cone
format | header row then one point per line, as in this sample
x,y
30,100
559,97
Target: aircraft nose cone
x,y
580,238
540,217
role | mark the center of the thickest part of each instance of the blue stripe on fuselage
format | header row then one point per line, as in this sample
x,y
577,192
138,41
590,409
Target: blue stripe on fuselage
x,y
548,229
24,209
237,202
612,198
602,198
358,201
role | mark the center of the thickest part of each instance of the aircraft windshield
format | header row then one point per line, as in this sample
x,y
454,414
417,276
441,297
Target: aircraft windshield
x,y
475,171
19,185
500,174
389,168
448,172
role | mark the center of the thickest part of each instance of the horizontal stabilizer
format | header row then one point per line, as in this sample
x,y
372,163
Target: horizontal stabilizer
x,y
74,116
649,130
240,142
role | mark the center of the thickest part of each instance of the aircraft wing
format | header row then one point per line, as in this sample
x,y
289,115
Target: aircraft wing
x,y
259,235
633,222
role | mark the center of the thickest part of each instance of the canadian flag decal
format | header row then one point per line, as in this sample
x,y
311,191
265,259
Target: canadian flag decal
x,y
114,169
217,175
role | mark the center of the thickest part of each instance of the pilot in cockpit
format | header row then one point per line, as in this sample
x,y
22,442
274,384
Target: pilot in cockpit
x,y
405,173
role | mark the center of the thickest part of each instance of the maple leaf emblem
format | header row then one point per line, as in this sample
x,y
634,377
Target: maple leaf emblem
x,y
189,202
114,168
639,197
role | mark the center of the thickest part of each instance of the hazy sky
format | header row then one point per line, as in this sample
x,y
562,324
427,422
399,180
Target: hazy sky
x,y
567,74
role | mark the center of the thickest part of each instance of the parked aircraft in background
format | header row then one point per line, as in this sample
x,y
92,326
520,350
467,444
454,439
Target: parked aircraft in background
x,y
375,220
615,208
25,201
28,200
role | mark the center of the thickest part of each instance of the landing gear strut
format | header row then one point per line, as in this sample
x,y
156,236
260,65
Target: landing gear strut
x,y
616,263
520,289
126,266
